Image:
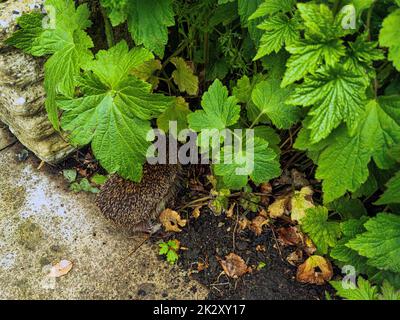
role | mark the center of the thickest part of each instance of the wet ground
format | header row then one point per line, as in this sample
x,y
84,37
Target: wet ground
x,y
42,223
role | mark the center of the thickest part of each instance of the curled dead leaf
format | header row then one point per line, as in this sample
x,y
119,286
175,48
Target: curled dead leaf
x,y
234,266
309,246
295,257
261,248
257,224
290,236
243,223
266,187
300,202
196,212
60,269
315,270
279,207
171,220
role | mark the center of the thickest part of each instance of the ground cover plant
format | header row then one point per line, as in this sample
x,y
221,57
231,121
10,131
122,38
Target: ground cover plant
x,y
318,81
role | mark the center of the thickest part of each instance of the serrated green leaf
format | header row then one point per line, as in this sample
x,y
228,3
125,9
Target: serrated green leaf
x,y
343,165
219,110
163,248
363,291
322,232
114,113
307,55
380,243
172,256
388,292
148,23
392,193
270,7
270,100
30,31
177,112
183,76
278,31
268,134
389,37
335,95
265,165
348,208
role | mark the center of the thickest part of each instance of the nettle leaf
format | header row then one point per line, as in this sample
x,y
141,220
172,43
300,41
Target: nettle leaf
x,y
219,110
114,112
270,100
363,291
183,76
336,95
380,243
261,164
389,37
392,193
148,23
322,232
278,31
27,36
343,165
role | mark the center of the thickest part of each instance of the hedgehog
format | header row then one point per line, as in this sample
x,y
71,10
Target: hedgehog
x,y
133,207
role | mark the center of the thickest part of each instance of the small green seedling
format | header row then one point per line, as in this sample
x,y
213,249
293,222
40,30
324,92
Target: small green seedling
x,y
261,265
170,249
71,176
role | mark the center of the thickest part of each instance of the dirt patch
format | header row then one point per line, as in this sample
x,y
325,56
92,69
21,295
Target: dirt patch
x,y
209,237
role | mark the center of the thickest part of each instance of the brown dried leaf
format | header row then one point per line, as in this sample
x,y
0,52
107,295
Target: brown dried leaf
x,y
300,202
229,212
278,207
261,248
202,266
243,223
266,187
295,257
171,220
308,273
298,179
60,269
309,246
290,236
196,212
234,266
257,224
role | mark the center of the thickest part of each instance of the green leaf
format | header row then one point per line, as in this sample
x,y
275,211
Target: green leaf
x,y
392,193
388,292
116,10
363,291
335,95
164,248
389,37
70,175
235,174
219,110
380,243
69,45
322,232
148,23
268,134
270,100
98,179
270,7
177,112
278,31
307,56
30,31
114,112
343,165
172,256
348,208
183,76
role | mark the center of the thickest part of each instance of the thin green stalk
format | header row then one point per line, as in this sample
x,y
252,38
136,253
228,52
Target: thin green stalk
x,y
108,29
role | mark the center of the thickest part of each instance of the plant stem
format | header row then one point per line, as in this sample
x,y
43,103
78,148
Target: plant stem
x,y
108,28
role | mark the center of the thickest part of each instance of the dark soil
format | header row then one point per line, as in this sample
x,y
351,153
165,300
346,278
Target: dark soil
x,y
209,236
